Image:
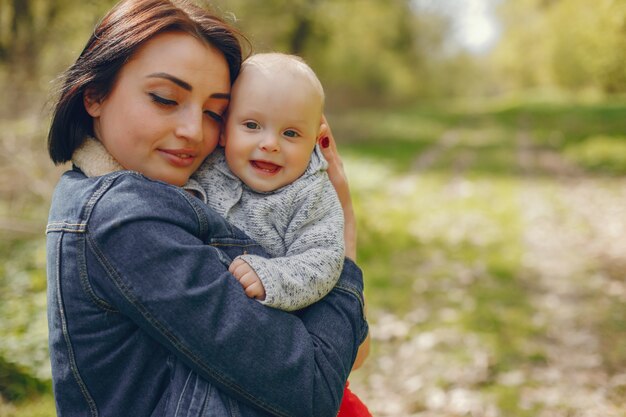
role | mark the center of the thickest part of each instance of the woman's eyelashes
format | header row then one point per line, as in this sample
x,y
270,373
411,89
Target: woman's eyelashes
x,y
215,116
162,100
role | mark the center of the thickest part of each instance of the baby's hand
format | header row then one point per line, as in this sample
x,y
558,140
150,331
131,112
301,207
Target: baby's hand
x,y
248,279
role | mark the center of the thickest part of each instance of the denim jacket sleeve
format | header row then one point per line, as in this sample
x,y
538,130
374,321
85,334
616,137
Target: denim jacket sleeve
x,y
151,241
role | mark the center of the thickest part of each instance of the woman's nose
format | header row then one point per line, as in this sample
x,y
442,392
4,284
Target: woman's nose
x,y
269,143
190,125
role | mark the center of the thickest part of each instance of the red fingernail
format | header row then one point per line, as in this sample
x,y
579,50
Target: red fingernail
x,y
325,142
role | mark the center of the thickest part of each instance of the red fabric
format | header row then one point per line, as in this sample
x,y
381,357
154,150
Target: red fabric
x,y
351,406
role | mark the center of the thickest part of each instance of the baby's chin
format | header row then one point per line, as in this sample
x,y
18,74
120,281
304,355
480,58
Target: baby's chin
x,y
267,186
260,188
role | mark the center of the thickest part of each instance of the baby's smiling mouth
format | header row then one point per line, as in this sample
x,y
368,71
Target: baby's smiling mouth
x,y
265,166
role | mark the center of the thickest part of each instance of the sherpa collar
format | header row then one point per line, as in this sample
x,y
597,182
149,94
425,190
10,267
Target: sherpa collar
x,y
93,159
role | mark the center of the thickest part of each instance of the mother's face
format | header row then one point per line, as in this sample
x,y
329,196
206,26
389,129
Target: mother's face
x,y
164,113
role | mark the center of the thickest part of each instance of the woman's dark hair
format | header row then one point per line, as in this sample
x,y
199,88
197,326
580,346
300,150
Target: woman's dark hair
x,y
114,41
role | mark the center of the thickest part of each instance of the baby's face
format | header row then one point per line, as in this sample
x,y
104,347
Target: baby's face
x,y
272,127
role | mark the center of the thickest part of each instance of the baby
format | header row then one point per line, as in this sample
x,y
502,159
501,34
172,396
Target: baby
x,y
270,180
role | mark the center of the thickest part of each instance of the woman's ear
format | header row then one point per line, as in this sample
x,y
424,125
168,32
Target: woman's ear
x,y
92,102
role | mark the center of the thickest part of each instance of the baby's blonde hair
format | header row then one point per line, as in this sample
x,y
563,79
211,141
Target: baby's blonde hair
x,y
276,62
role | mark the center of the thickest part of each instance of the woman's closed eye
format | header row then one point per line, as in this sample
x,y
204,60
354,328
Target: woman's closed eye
x,y
168,102
215,116
162,100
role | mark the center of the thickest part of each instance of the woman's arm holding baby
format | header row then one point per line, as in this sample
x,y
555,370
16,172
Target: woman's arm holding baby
x,y
338,177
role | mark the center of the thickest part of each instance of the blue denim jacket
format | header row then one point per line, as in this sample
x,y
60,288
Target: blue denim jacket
x,y
145,320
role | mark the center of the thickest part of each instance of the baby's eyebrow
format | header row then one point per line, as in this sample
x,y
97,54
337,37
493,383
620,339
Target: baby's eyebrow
x,y
175,80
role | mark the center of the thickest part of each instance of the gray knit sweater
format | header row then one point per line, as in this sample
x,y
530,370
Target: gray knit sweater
x,y
300,225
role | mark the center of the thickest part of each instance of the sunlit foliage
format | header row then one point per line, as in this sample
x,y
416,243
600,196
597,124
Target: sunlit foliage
x,y
566,43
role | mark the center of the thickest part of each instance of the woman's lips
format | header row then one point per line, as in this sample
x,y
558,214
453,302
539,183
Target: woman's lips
x,y
266,167
179,157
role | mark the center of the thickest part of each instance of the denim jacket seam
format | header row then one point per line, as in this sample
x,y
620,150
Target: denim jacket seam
x,y
354,292
182,348
233,408
358,296
86,284
232,244
205,400
201,217
182,393
103,188
98,192
66,336
170,363
60,226
202,221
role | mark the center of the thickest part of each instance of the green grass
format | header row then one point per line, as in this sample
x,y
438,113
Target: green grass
x,y
397,138
34,406
599,153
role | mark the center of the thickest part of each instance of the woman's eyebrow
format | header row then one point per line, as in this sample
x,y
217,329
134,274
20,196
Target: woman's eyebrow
x,y
184,84
175,80
225,96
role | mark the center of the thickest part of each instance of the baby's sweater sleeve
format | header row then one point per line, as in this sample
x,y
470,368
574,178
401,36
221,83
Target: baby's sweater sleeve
x,y
315,250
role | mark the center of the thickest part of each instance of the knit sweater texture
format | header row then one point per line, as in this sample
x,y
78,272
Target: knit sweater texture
x,y
300,225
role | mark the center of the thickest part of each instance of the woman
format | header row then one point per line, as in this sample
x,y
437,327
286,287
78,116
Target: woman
x,y
144,318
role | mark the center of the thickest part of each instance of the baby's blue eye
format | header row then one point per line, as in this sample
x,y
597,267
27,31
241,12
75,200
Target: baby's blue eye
x,y
291,133
251,125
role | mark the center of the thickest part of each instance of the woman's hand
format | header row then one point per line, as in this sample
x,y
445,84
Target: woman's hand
x,y
339,180
362,354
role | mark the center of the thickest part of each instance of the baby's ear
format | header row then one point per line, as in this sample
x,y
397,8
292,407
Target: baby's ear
x,y
92,102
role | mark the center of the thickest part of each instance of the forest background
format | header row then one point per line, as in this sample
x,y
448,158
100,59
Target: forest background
x,y
489,181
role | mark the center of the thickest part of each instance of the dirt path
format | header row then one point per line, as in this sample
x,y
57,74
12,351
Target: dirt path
x,y
574,262
572,224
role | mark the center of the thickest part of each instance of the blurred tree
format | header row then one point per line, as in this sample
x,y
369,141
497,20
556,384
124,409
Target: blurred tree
x,y
21,29
590,47
39,38
522,54
564,43
364,51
